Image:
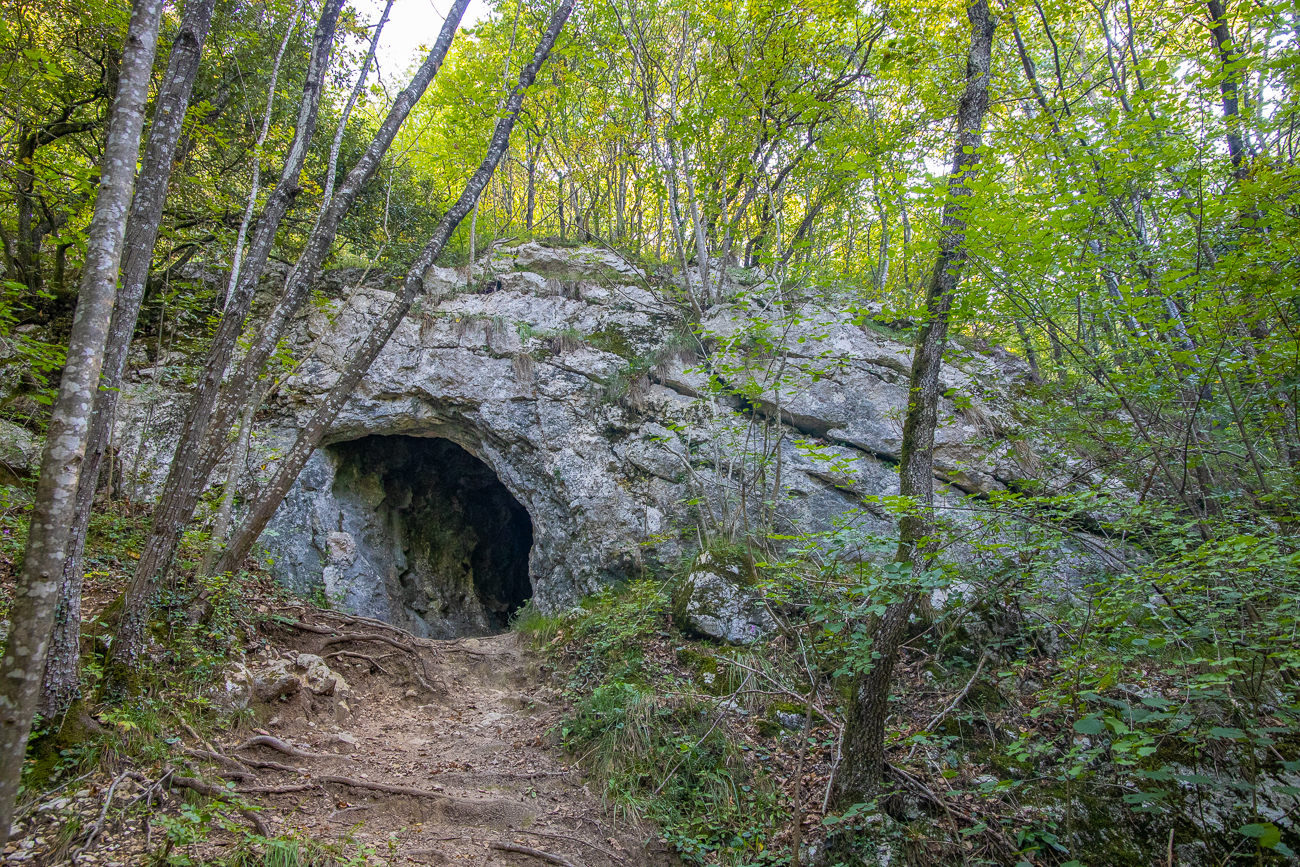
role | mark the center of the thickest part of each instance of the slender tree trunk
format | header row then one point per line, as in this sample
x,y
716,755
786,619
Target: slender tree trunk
x,y
882,271
364,355
63,666
337,144
241,236
221,526
36,592
172,513
532,186
1230,55
701,242
27,255
863,758
1031,354
473,230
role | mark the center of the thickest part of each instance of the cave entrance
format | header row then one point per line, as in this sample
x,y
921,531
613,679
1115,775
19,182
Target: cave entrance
x,y
445,535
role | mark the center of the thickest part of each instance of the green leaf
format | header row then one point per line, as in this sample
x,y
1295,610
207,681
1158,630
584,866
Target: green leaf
x,y
1268,834
1089,726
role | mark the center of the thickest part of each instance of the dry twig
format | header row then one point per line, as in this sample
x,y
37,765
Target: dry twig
x,y
938,718
103,814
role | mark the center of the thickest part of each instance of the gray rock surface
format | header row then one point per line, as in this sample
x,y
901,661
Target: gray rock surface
x,y
20,450
715,602
566,376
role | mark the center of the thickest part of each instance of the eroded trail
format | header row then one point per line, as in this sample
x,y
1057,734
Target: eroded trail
x,y
392,749
434,775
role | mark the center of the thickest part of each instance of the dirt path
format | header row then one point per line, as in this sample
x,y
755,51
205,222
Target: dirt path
x,y
435,760
475,744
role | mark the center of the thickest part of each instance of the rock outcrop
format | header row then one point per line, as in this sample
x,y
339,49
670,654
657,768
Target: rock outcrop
x,y
567,376
716,600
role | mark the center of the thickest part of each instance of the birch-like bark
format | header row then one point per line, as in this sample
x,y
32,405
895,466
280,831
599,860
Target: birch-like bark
x,y
63,665
364,355
222,524
863,752
204,455
255,186
332,171
36,592
697,225
171,513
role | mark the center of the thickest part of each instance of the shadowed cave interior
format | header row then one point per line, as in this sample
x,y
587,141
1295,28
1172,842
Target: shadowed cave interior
x,y
446,536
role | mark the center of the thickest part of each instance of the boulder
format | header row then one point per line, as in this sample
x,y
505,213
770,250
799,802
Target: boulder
x,y
290,674
20,450
717,600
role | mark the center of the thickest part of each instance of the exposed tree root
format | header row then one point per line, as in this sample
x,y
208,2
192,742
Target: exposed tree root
x,y
534,853
374,661
272,766
235,769
284,747
366,636
305,627
409,643
218,793
382,787
277,790
552,836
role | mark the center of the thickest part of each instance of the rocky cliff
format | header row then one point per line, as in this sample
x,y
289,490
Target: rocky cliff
x,y
585,425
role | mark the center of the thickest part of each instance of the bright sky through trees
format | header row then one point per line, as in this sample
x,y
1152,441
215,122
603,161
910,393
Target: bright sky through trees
x,y
411,27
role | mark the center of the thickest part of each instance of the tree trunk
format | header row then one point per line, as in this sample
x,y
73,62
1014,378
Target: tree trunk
x,y
310,436
532,187
221,526
337,145
1230,55
1031,354
171,514
27,255
36,592
63,667
559,187
237,257
863,757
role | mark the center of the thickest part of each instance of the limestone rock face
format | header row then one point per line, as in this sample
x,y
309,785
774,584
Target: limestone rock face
x,y
543,424
20,450
714,602
423,535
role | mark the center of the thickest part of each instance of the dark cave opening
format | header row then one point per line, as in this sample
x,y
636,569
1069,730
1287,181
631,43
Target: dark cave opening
x,y
449,539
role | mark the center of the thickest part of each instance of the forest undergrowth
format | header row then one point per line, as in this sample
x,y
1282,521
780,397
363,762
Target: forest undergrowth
x,y
1133,706
96,785
1039,716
